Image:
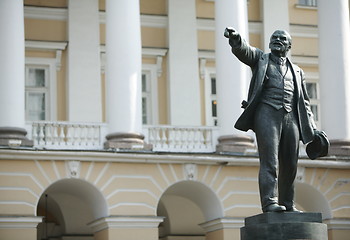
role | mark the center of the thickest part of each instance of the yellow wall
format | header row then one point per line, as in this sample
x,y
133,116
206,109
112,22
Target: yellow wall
x,y
154,37
302,16
137,233
17,234
158,7
305,46
205,9
45,3
338,234
45,30
206,40
254,11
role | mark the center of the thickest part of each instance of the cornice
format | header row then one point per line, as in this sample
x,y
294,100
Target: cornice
x,y
149,157
45,45
60,14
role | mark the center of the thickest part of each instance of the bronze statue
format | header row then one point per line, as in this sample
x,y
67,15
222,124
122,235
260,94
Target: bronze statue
x,y
278,111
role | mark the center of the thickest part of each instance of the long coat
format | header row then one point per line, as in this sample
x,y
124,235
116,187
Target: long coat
x,y
258,62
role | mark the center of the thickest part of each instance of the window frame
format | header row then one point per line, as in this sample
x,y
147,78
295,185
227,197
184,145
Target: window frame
x,y
51,88
313,78
152,83
209,72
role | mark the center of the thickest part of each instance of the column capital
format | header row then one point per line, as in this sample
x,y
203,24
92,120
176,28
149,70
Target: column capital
x,y
19,221
223,223
125,222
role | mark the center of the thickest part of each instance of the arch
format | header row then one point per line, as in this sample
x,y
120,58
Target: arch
x,y
70,204
312,200
185,205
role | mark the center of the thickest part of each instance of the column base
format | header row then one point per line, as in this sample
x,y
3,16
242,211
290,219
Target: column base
x,y
339,147
235,144
14,137
126,141
283,226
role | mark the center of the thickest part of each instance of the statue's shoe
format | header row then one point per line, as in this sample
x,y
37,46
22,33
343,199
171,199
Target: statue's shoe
x,y
275,208
293,209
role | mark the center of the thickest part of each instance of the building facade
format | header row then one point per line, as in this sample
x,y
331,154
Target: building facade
x,y
116,116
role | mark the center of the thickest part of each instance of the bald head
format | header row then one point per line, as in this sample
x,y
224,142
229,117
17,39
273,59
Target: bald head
x,y
280,43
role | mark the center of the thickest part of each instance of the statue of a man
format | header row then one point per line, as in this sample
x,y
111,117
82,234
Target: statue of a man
x,y
278,111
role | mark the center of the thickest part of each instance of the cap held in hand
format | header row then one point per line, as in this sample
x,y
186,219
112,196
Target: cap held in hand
x,y
319,146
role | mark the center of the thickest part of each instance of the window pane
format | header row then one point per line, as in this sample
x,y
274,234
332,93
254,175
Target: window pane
x,y
36,77
314,110
311,90
312,3
144,83
36,106
213,85
144,110
213,108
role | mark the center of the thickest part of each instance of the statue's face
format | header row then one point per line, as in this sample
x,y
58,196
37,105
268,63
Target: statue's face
x,y
280,42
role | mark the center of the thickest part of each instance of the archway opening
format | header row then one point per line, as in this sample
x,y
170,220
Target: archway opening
x,y
312,200
185,205
67,207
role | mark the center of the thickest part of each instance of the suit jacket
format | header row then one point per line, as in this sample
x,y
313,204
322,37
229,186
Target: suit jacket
x,y
258,62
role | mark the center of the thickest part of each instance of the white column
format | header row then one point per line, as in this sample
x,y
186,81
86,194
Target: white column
x,y
334,65
84,101
123,72
12,64
12,80
231,74
275,17
183,66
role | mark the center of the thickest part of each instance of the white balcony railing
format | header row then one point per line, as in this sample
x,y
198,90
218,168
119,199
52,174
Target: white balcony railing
x,y
91,136
181,139
67,135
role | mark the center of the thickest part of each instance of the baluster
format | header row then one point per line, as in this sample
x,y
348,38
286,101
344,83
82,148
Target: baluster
x,y
196,139
96,134
183,139
48,134
165,140
35,133
83,135
89,137
151,138
171,139
157,138
41,134
208,139
190,138
61,136
76,135
177,137
70,134
55,139
201,138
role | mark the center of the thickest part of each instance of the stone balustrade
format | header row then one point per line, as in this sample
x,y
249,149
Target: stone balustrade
x,y
91,136
181,139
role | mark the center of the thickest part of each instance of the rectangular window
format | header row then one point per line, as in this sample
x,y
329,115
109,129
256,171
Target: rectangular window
x,y
36,93
312,90
146,98
213,100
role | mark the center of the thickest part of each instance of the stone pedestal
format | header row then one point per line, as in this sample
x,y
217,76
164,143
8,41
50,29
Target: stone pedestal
x,y
126,141
14,137
339,148
235,144
284,226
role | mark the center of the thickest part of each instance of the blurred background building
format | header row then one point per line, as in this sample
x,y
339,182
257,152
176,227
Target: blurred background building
x,y
116,116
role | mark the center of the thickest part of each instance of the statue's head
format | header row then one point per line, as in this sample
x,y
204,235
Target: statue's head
x,y
280,43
